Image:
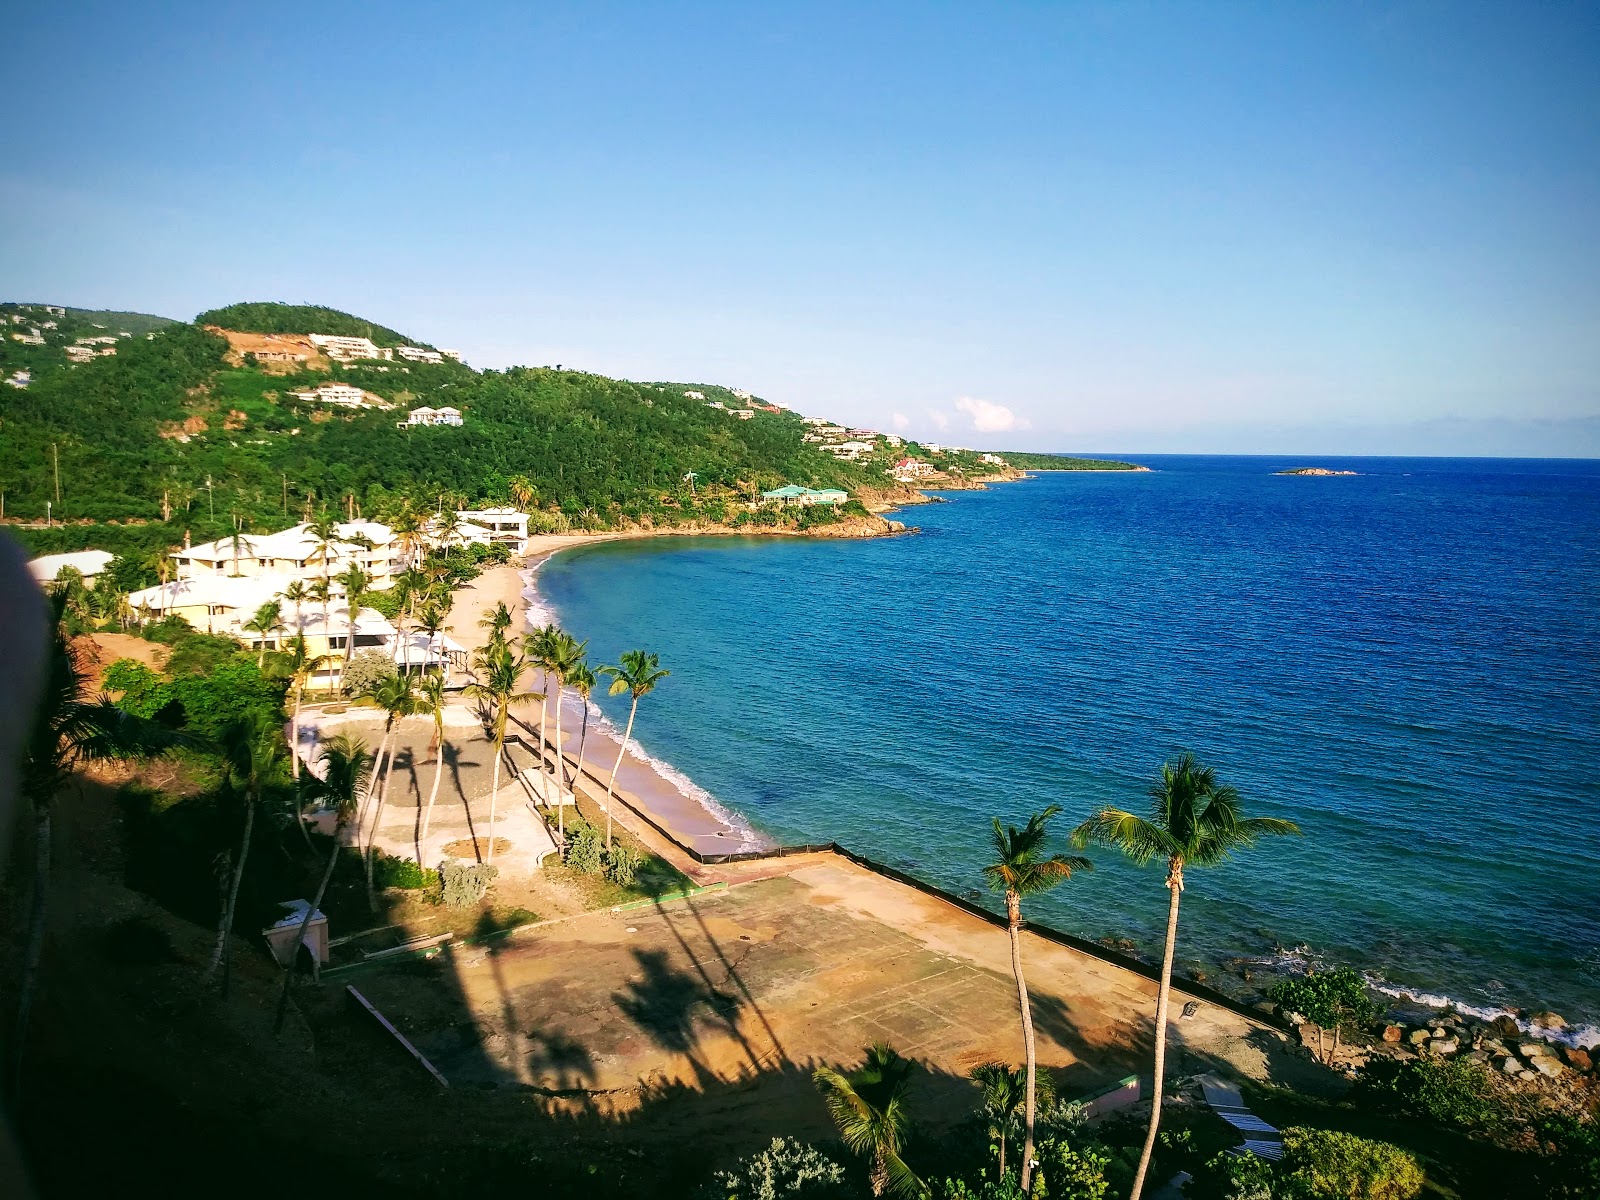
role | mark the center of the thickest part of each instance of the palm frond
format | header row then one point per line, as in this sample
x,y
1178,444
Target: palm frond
x,y
1117,829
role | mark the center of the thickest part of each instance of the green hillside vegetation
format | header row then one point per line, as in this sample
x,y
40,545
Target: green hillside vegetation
x,y
113,321
60,330
1062,462
267,317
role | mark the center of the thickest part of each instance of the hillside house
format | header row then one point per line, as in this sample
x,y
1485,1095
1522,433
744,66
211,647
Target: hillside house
x,y
716,404
695,395
417,354
452,355
28,339
992,459
506,525
850,451
893,440
54,311
341,394
19,379
740,394
343,348
818,421
744,414
432,416
793,494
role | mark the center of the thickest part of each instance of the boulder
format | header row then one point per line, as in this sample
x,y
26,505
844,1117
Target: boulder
x,y
1511,1066
1478,1056
1537,1048
1505,1026
1547,1020
1550,1068
1393,1033
1439,1031
1445,1045
1419,1036
1578,1059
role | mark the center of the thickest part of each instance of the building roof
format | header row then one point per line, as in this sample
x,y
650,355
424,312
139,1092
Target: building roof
x,y
295,542
85,562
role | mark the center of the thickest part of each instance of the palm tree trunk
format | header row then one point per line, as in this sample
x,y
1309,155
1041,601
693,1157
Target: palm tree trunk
x,y
316,903
233,894
438,774
561,769
377,816
544,710
34,954
494,792
617,766
878,1177
372,790
583,743
1175,884
1014,928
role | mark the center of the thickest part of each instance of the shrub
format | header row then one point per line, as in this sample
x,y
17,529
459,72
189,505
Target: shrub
x,y
786,1168
463,884
1449,1091
1073,1172
167,630
584,849
390,872
1321,1164
1231,1177
1336,999
366,671
623,863
1569,1168
141,691
200,653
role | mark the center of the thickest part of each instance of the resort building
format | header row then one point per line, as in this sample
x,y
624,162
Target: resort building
x,y
909,469
744,414
992,459
506,525
225,606
346,347
432,416
452,355
793,493
294,553
893,440
29,339
88,563
418,355
740,394
850,451
341,394
716,404
695,395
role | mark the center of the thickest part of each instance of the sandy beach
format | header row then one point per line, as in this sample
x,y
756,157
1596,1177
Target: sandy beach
x,y
642,785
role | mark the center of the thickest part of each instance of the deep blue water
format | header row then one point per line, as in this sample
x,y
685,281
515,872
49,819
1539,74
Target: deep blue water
x,y
1404,662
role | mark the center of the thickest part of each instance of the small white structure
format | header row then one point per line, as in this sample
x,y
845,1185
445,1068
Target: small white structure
x,y
992,459
893,440
281,939
850,451
716,404
341,394
432,416
695,395
741,394
88,563
19,379
744,414
28,339
452,355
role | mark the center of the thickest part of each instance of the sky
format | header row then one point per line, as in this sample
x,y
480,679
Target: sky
x,y
1211,228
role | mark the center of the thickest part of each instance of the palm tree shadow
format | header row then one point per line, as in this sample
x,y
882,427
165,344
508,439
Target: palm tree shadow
x,y
670,1007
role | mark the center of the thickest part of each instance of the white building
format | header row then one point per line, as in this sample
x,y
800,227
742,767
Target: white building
x,y
294,553
418,355
741,394
992,459
346,347
28,339
506,525
695,395
850,451
716,404
19,379
88,563
432,416
893,440
817,421
744,414
452,355
341,394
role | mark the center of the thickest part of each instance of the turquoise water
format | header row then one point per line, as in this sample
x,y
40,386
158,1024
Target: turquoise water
x,y
1404,662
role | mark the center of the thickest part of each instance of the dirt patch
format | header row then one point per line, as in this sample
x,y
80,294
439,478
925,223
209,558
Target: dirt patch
x,y
108,647
273,353
476,848
183,430
235,420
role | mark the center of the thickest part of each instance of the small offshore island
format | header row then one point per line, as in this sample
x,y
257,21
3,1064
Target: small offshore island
x,y
1314,471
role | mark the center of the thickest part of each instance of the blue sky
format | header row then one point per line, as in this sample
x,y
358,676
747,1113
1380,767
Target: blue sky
x,y
1253,228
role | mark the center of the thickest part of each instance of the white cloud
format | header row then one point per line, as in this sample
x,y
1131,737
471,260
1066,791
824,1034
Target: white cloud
x,y
900,421
988,417
940,421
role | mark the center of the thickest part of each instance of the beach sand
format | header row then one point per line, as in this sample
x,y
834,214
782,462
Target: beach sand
x,y
670,804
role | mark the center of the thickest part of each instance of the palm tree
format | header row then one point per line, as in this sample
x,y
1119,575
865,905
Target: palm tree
x,y
398,700
446,528
431,703
501,674
539,648
431,621
1021,869
324,533
869,1107
346,766
236,542
1005,1092
409,585
565,653
354,581
71,726
267,621
299,665
496,621
296,593
1193,821
637,674
252,748
407,527
582,680
321,590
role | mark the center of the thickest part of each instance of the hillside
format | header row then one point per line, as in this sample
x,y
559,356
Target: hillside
x,y
35,338
1026,461
268,317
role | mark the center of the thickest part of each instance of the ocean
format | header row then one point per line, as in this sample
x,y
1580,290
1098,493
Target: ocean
x,y
1405,661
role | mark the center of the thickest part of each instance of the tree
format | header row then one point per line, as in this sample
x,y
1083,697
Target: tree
x,y
323,530
521,491
267,621
398,701
637,674
71,727
1192,821
582,680
1021,869
238,542
562,654
1337,999
251,748
431,702
346,766
297,664
869,1107
354,581
1005,1094
497,620
500,675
